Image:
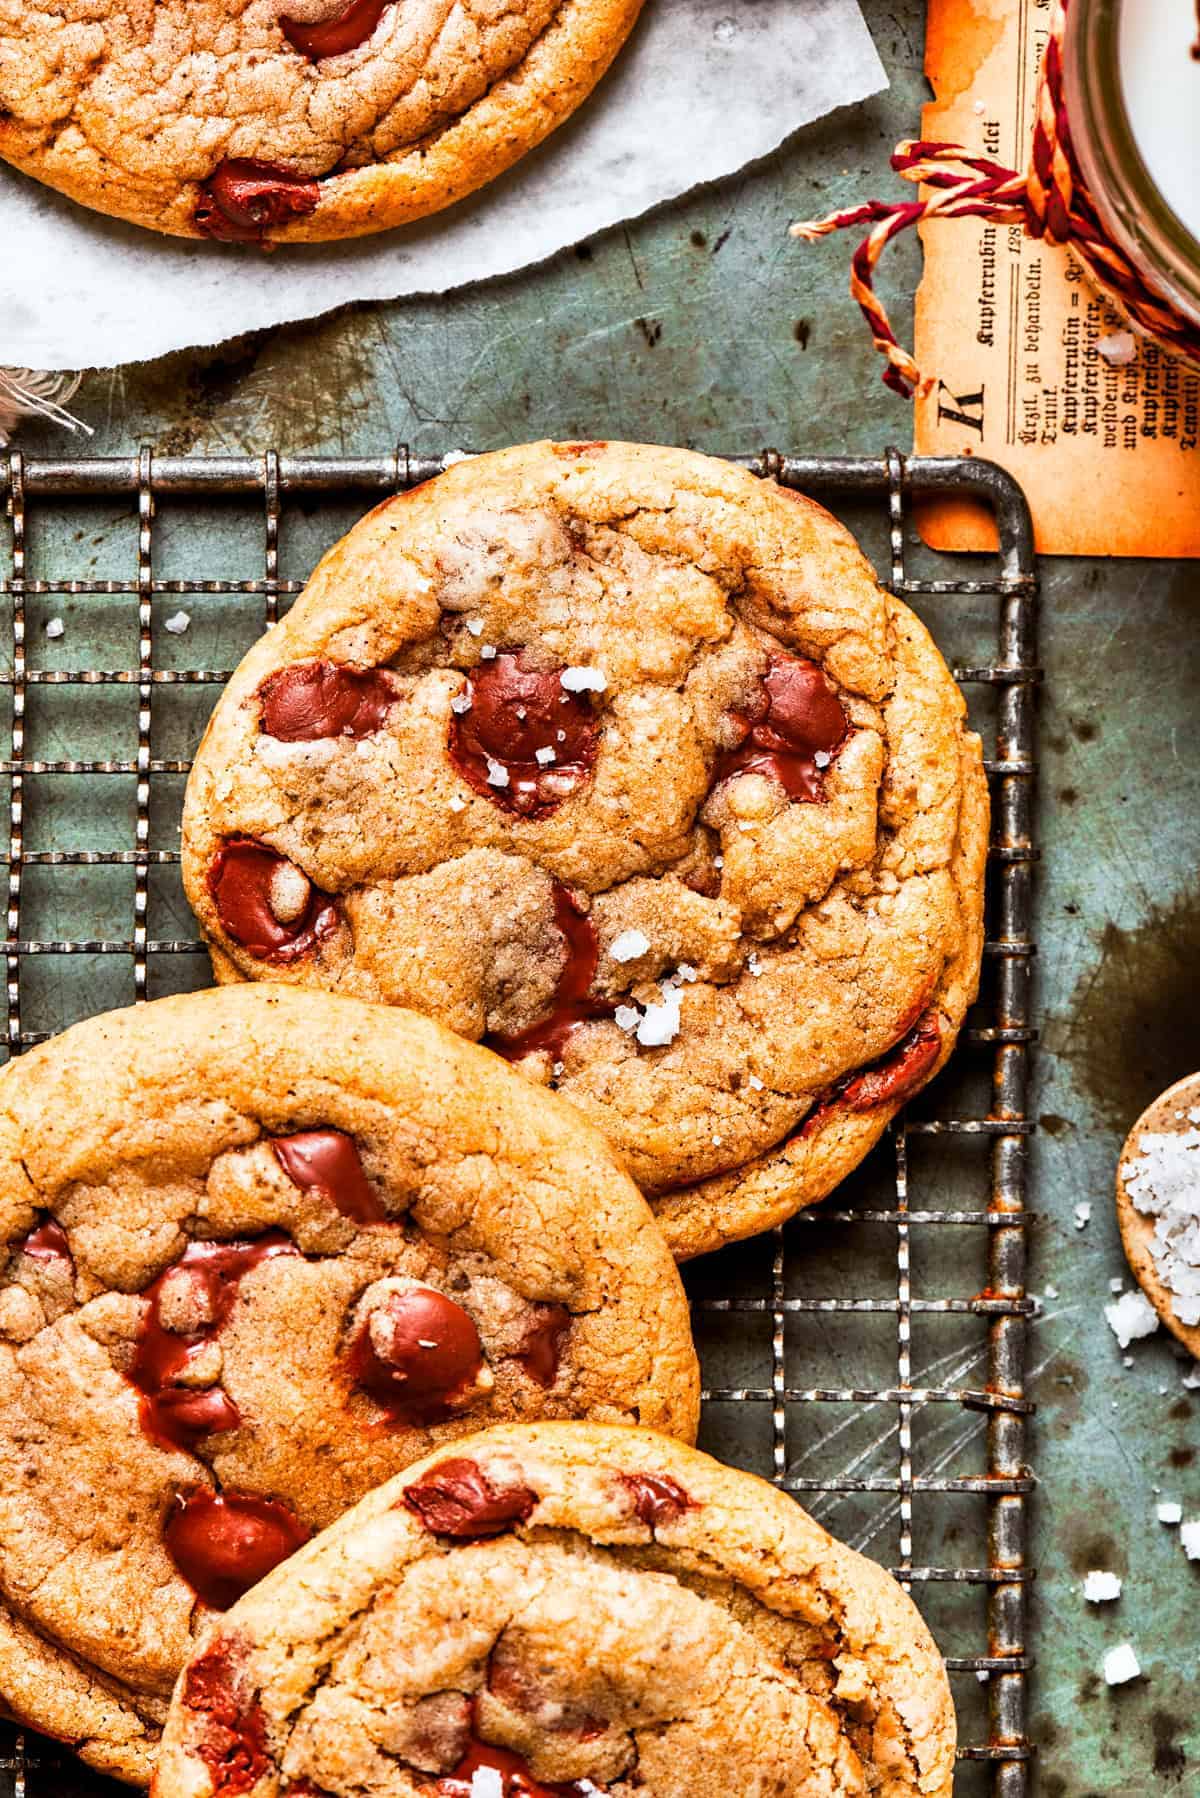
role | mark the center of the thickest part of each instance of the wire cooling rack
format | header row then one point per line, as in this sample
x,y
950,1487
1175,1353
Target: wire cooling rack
x,y
903,1299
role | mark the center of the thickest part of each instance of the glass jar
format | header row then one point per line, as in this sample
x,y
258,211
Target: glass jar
x,y
1132,95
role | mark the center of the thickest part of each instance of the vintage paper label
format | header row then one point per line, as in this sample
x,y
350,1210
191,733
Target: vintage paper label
x,y
1010,330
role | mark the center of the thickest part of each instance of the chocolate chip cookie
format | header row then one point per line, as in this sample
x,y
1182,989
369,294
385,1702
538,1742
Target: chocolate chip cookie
x,y
262,1250
621,761
291,121
567,1609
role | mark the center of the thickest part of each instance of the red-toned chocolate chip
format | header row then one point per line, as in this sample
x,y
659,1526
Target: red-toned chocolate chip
x,y
47,1243
887,1081
328,1163
541,1345
311,700
456,1498
516,1777
798,720
524,742
417,1352
171,1412
899,1072
244,199
657,1498
573,1003
225,1542
515,1683
346,30
266,904
233,1740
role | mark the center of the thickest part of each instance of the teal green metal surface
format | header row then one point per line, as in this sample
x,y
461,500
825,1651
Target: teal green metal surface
x,y
705,325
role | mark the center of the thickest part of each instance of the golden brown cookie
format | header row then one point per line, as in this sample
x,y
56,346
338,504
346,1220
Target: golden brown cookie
x,y
263,1249
291,121
573,1610
1158,1207
622,761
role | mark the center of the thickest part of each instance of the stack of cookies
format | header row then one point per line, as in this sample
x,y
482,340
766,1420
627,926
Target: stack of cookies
x,y
347,1371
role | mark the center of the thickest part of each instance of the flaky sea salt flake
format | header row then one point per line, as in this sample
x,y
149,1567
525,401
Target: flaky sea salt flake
x,y
1083,1215
660,1023
1189,1535
1170,1512
1101,1588
1131,1318
629,945
583,680
1121,1665
177,623
55,627
497,773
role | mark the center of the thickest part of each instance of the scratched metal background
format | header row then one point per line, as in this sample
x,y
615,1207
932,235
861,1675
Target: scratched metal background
x,y
705,325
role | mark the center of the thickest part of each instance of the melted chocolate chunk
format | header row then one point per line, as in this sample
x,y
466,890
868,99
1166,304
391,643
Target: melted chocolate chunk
x,y
312,700
456,1498
47,1243
233,1743
572,1004
798,718
657,1498
171,1413
515,712
515,1683
346,30
243,199
516,1778
417,1354
225,1542
328,1163
240,881
541,1345
887,1081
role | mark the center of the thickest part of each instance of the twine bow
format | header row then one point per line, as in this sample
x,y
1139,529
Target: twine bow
x,y
1051,201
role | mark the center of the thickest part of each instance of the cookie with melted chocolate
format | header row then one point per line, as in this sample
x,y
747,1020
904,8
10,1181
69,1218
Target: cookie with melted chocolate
x,y
291,121
561,1611
261,1249
630,769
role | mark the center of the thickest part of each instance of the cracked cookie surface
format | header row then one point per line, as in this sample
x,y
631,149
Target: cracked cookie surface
x,y
290,120
567,1609
263,1249
653,789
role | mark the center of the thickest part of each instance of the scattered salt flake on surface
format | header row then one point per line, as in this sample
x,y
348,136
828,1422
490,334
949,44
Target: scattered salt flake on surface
x,y
1170,1512
544,757
457,803
461,703
983,1675
55,627
583,680
1118,348
685,971
488,652
629,945
660,1023
1131,1318
1192,1380
497,773
1127,1361
558,1068
718,861
1189,1535
822,758
177,623
755,1083
716,1142
1101,1588
422,583
1083,1215
627,1016
475,626
1116,1285
1052,1292
487,1782
1121,1664
754,965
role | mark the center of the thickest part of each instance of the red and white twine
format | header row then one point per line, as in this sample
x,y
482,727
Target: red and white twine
x,y
1051,201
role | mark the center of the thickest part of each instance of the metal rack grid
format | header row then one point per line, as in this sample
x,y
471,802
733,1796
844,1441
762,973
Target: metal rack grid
x,y
867,1486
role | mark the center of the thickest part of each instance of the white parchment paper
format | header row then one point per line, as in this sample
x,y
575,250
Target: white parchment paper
x,y
703,87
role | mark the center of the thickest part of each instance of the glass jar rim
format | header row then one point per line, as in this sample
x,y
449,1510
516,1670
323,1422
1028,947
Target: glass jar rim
x,y
1129,202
